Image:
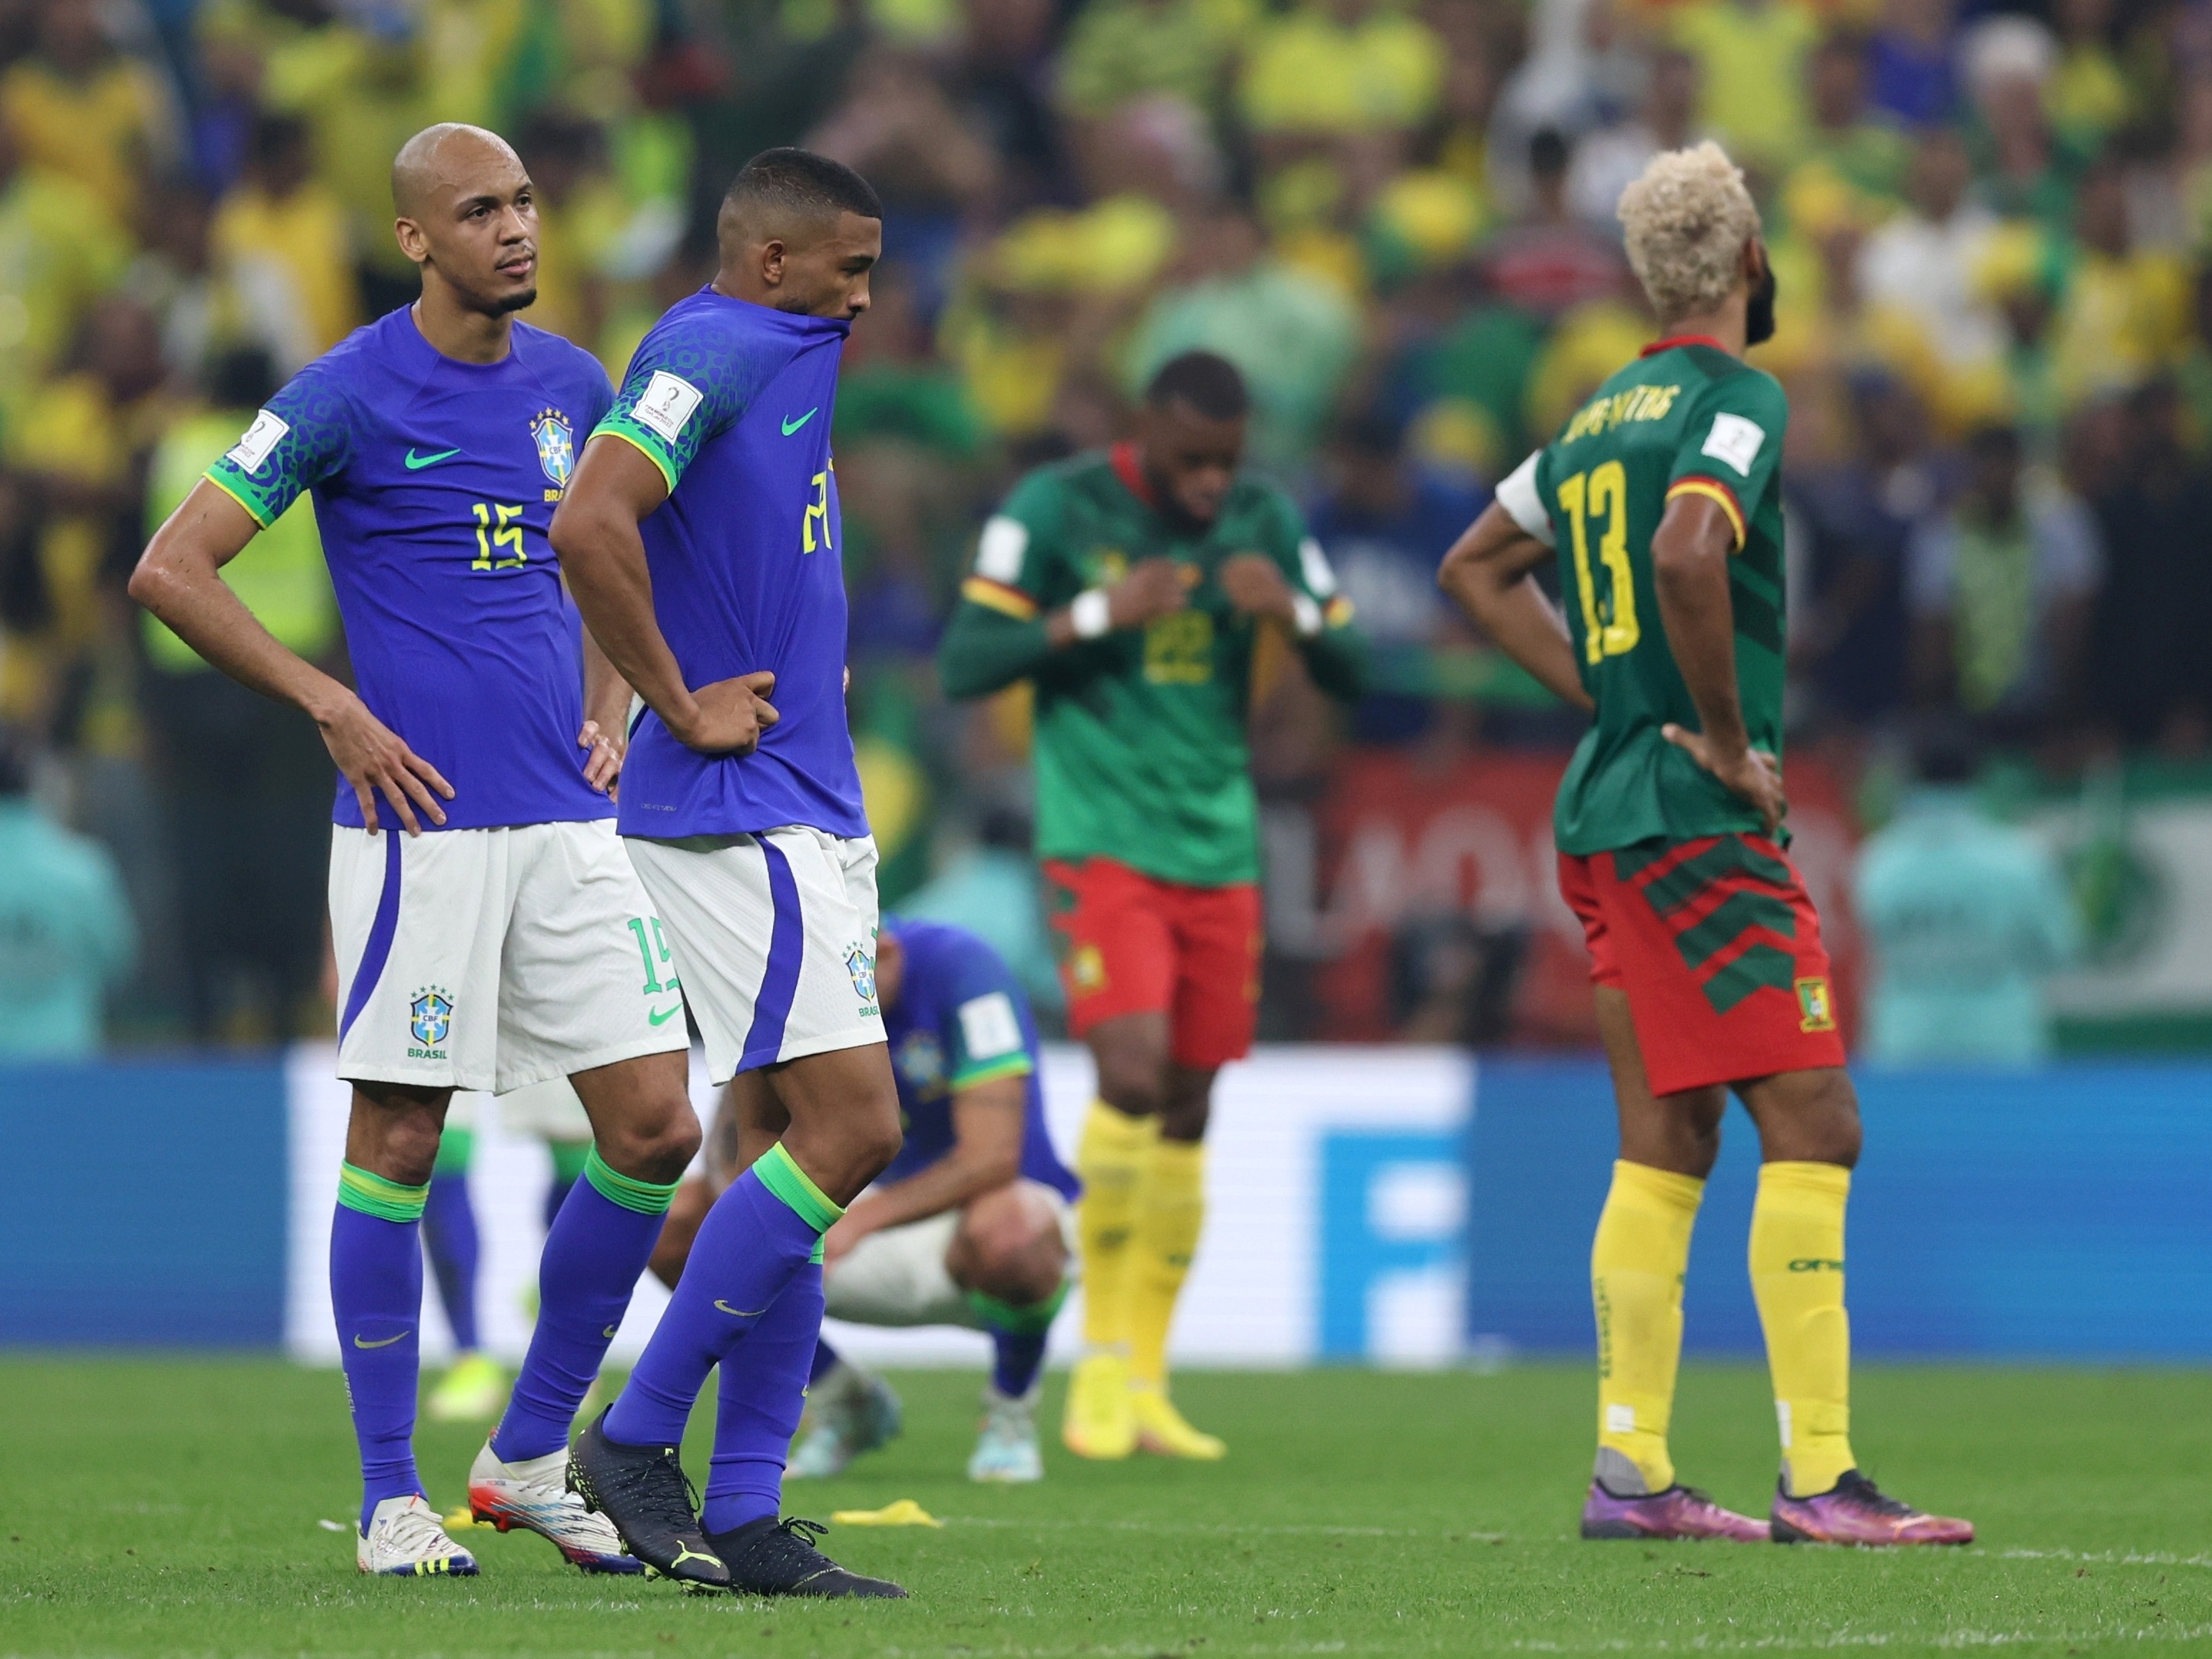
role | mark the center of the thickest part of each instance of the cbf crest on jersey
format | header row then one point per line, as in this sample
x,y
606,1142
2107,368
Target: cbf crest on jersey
x,y
557,446
430,1019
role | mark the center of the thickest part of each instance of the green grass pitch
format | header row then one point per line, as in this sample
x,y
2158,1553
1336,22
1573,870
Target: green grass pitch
x,y
172,1507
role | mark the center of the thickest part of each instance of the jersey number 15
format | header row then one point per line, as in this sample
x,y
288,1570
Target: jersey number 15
x,y
498,535
1609,627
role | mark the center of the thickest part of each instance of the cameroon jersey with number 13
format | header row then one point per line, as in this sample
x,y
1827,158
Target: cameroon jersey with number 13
x,y
1685,418
435,482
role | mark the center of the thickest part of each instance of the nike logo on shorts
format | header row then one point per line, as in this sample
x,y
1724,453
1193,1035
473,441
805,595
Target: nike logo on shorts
x,y
662,1016
738,1313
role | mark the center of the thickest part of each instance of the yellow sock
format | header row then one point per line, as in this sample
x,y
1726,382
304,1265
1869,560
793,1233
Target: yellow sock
x,y
1636,1264
1797,1277
1111,1160
1170,1215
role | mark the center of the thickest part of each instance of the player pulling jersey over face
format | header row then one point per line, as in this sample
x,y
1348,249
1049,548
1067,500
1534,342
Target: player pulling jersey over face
x,y
1660,497
732,400
701,540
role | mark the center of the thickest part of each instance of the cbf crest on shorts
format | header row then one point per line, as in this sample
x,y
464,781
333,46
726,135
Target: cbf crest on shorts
x,y
557,446
430,1020
860,963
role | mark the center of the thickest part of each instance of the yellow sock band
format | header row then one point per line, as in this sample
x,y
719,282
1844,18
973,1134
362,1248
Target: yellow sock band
x,y
1797,1277
1637,1263
1171,1215
1110,1159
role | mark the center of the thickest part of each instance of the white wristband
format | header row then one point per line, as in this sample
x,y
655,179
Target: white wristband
x,y
1090,615
1308,612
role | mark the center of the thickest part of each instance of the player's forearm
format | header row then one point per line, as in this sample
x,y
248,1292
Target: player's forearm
x,y
606,692
178,579
1692,579
962,1174
1489,573
604,557
983,652
1337,659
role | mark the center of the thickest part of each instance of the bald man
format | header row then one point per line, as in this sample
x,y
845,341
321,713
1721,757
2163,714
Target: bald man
x,y
490,933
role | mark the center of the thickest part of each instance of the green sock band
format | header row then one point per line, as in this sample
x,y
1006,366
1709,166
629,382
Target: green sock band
x,y
789,1184
1032,1320
570,1159
372,1195
455,1148
646,1197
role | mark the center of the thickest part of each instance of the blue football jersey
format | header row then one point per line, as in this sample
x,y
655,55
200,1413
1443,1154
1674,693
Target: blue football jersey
x,y
734,401
961,1019
435,482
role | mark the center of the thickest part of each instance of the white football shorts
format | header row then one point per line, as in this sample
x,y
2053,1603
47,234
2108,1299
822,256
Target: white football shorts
x,y
898,1277
492,959
775,935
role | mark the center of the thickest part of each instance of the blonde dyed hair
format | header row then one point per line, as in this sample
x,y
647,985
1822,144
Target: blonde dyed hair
x,y
1687,219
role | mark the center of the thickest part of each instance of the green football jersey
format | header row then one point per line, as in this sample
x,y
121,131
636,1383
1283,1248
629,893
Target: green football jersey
x,y
1685,418
1140,753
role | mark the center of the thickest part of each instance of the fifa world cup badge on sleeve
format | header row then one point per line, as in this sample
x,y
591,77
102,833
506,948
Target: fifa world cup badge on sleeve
x,y
430,1020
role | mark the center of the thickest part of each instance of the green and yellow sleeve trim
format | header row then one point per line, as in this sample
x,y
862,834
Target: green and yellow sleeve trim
x,y
1018,1064
637,438
374,1194
999,597
646,1197
256,510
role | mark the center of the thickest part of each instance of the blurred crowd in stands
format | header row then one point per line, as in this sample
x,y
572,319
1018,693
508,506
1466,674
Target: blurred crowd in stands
x,y
1993,231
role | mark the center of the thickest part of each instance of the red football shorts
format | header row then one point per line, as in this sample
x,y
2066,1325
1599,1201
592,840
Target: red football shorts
x,y
1132,944
1718,948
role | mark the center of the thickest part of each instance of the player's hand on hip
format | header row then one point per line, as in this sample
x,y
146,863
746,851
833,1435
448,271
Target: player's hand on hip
x,y
1254,585
1153,588
603,768
730,715
1750,775
376,762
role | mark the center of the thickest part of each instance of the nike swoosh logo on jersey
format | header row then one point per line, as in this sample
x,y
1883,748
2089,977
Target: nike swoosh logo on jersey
x,y
790,427
417,462
662,1016
608,1332
386,1342
738,1313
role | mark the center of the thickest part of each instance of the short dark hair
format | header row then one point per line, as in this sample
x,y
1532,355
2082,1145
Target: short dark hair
x,y
1206,380
799,181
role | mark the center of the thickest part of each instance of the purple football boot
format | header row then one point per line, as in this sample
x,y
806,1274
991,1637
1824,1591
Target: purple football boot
x,y
1678,1512
1858,1512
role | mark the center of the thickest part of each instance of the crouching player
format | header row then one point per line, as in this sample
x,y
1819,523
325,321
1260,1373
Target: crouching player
x,y
969,1226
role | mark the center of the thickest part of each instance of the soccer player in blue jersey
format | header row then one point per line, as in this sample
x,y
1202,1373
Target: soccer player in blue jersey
x,y
968,1226
504,939
702,542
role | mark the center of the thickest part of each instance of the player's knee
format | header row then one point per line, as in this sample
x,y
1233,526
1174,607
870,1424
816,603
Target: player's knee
x,y
656,1145
1133,1080
1010,1247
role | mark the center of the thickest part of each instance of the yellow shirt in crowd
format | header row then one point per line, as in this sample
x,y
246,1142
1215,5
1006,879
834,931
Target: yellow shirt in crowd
x,y
97,132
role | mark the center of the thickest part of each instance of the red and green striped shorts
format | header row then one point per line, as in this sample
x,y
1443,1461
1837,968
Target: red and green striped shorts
x,y
1718,948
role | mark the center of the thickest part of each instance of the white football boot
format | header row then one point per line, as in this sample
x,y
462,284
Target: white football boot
x,y
535,1496
406,1540
847,1413
1006,1447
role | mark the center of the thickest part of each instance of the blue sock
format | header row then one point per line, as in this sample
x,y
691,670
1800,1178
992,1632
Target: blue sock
x,y
598,1246
376,1294
763,1387
449,1234
557,1195
764,1228
825,1361
1017,1338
